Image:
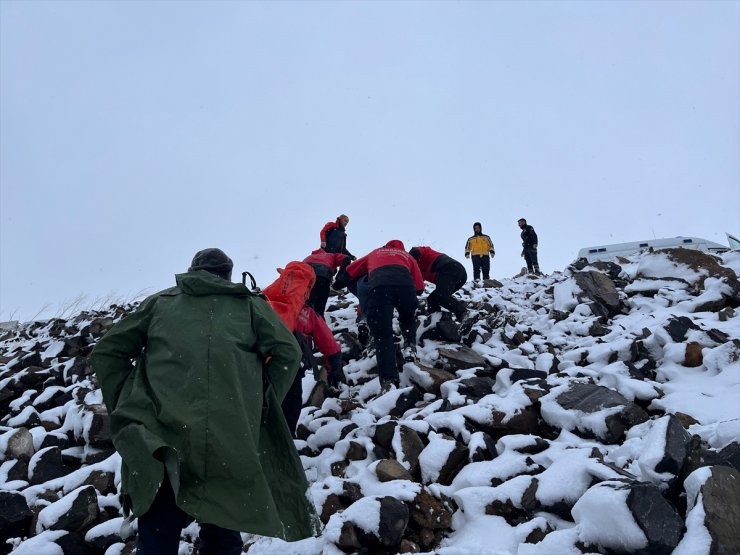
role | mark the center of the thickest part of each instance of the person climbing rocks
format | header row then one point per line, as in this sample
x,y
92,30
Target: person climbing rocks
x,y
529,246
480,248
394,281
325,265
447,274
288,296
213,362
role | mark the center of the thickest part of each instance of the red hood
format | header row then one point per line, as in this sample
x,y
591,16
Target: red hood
x,y
395,244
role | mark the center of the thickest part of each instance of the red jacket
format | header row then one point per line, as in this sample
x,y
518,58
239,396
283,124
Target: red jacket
x,y
388,265
320,258
426,257
327,227
310,323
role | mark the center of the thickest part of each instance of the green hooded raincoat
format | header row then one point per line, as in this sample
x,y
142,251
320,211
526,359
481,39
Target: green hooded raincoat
x,y
213,363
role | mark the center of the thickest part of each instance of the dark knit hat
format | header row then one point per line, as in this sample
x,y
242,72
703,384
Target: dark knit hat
x,y
214,261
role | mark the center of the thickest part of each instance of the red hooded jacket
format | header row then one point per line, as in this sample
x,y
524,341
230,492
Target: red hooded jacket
x,y
325,263
431,262
388,265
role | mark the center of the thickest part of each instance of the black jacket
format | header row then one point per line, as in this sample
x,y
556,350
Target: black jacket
x,y
529,237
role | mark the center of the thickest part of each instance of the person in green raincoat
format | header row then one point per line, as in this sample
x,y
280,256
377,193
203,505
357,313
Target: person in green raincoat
x,y
193,382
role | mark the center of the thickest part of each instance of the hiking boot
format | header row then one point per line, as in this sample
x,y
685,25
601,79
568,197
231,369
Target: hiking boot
x,y
363,334
408,351
388,385
336,378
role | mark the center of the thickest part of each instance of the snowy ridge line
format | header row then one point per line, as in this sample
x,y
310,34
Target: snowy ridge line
x,y
602,391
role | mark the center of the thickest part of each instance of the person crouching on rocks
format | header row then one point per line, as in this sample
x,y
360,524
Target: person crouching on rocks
x,y
394,281
447,274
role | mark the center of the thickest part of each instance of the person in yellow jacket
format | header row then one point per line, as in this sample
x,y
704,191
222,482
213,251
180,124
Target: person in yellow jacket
x,y
480,247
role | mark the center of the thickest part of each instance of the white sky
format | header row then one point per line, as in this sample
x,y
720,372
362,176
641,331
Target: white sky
x,y
133,134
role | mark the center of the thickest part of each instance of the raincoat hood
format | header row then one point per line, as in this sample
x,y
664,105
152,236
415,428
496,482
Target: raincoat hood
x,y
202,282
395,244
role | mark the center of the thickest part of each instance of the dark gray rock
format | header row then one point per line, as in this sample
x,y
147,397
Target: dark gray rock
x,y
464,357
601,291
83,511
678,327
656,517
720,495
406,400
590,398
457,458
445,330
383,435
411,448
15,516
677,441
436,375
476,388
394,517
46,465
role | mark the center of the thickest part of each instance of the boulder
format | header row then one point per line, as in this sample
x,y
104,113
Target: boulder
x,y
431,379
46,465
655,527
590,398
462,358
390,469
73,512
411,447
693,357
15,516
426,511
394,517
720,495
601,291
20,445
678,327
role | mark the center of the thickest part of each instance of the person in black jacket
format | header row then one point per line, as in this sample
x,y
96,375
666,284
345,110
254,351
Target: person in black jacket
x,y
529,246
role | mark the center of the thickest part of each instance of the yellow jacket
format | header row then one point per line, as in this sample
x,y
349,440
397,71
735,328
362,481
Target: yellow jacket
x,y
479,245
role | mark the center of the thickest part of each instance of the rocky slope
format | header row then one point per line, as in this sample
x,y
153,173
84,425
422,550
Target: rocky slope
x,y
596,410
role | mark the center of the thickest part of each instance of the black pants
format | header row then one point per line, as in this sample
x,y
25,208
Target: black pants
x,y
161,525
319,295
381,301
481,262
449,279
530,257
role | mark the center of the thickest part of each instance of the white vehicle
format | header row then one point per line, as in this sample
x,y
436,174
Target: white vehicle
x,y
608,252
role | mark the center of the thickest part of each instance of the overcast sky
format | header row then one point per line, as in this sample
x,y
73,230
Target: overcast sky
x,y
133,134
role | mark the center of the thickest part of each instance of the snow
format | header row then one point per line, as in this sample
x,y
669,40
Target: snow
x,y
604,519
658,265
41,544
696,540
434,456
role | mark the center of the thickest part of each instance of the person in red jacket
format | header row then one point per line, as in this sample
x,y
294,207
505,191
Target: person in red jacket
x,y
287,295
447,274
394,281
325,265
334,236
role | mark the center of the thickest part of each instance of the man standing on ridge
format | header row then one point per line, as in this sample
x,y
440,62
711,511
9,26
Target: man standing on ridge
x,y
394,281
197,418
334,237
529,246
480,248
447,274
